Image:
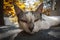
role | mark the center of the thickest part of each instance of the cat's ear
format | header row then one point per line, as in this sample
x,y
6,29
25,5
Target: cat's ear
x,y
39,8
18,10
38,12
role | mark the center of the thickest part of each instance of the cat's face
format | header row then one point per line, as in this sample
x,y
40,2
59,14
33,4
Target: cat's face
x,y
28,19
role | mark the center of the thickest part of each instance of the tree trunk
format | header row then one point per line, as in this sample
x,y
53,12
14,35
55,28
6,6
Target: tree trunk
x,y
1,13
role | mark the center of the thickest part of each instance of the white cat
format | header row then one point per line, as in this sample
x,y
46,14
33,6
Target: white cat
x,y
33,21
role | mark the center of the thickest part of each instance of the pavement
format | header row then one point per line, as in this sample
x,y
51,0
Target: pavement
x,y
6,31
49,34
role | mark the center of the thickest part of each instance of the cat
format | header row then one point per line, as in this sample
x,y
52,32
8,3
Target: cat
x,y
33,21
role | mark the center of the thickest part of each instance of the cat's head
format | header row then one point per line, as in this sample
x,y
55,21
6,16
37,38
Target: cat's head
x,y
28,19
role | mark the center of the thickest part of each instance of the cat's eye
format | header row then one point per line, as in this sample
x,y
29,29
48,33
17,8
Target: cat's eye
x,y
23,20
36,20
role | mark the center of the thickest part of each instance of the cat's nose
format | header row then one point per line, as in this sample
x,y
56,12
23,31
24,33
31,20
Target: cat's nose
x,y
31,27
